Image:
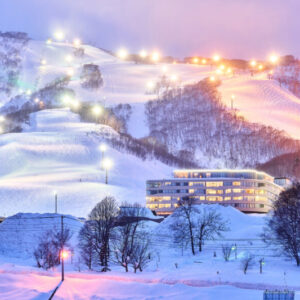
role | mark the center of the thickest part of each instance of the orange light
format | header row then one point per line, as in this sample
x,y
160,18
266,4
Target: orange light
x,y
64,254
204,61
195,60
253,63
212,78
216,58
222,67
260,67
174,62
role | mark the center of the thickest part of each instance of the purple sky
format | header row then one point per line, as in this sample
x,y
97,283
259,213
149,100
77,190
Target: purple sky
x,y
234,28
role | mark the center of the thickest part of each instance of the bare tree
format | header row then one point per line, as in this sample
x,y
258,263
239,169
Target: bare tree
x,y
247,263
226,250
102,219
127,233
47,253
283,227
183,227
141,254
210,224
86,239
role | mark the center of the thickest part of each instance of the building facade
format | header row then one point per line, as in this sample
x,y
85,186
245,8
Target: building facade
x,y
247,190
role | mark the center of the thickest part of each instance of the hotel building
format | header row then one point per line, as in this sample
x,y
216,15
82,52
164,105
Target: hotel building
x,y
249,191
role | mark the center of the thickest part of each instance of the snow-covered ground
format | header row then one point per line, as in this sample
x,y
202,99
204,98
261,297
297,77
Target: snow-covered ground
x,y
60,153
203,276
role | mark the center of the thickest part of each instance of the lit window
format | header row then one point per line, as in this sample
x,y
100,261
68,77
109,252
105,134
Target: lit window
x,y
237,190
214,183
211,192
228,191
236,183
227,198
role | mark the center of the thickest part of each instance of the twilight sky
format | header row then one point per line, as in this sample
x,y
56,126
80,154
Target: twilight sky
x,y
234,28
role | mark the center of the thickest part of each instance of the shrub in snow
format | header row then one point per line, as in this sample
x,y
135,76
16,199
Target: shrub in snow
x,y
226,250
91,77
283,226
247,263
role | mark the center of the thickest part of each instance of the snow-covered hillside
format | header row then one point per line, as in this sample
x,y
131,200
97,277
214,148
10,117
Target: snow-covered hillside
x,y
60,153
263,101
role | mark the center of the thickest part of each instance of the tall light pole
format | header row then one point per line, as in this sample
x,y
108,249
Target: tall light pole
x,y
107,165
232,98
102,149
55,201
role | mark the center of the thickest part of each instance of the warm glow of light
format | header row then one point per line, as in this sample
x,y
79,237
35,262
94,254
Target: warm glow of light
x,y
253,63
164,69
49,41
203,61
212,78
70,72
155,56
219,72
28,92
216,58
221,67
59,35
174,62
195,60
103,147
43,62
64,254
232,96
36,100
66,99
75,104
122,53
274,58
97,110
174,78
229,70
69,58
150,84
260,67
107,163
76,42
271,72
2,119
143,54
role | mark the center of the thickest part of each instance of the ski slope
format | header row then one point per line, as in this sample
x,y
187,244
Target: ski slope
x,y
263,101
60,153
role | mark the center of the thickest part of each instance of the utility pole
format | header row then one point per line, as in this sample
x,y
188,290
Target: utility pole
x,y
106,176
62,250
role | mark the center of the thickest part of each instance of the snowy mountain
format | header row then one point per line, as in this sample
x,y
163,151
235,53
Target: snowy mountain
x,y
51,145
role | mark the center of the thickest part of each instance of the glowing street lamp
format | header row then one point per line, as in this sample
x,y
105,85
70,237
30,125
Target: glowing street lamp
x,y
203,61
76,42
70,72
49,42
274,59
36,100
97,110
103,149
216,58
59,35
253,63
28,92
2,119
107,164
43,62
155,56
64,254
75,104
195,60
174,78
260,67
150,84
143,54
68,58
212,78
122,54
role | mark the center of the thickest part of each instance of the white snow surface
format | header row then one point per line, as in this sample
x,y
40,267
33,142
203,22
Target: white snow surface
x,y
59,153
202,276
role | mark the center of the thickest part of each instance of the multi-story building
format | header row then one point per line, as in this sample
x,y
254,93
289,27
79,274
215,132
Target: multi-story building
x,y
246,190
